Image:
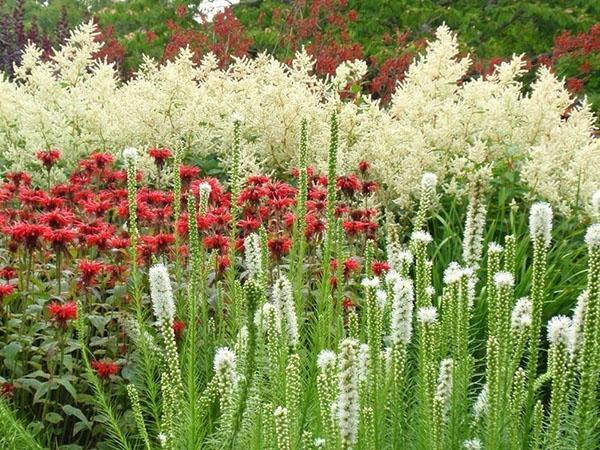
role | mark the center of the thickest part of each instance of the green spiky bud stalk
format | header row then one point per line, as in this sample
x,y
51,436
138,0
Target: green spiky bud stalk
x,y
134,398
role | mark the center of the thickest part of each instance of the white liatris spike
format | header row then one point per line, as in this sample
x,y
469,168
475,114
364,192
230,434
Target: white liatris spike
x,y
504,280
262,315
161,293
481,403
252,254
453,273
225,364
521,316
347,404
421,236
319,443
372,283
326,359
429,180
443,390
130,155
402,311
578,320
472,444
284,301
363,363
494,247
205,188
236,116
381,297
398,256
540,222
427,315
559,331
592,236
162,439
391,277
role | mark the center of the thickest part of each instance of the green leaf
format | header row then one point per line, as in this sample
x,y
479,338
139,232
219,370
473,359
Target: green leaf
x,y
68,386
53,417
11,350
73,411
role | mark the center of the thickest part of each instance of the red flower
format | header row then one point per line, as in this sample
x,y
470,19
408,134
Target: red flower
x,y
350,265
60,238
379,267
363,166
178,328
61,313
279,246
222,263
369,187
217,242
8,273
187,173
348,184
48,157
7,390
105,368
27,234
6,290
160,155
347,303
89,271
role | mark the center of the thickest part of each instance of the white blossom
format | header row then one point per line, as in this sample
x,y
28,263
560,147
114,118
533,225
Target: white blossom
x,y
421,236
370,283
402,311
252,254
326,359
540,222
427,314
559,330
472,444
578,321
504,279
130,154
284,301
225,363
592,236
521,316
161,293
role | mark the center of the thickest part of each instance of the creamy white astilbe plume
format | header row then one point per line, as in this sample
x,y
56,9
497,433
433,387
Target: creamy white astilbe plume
x,y
252,254
161,293
283,300
540,222
402,311
437,120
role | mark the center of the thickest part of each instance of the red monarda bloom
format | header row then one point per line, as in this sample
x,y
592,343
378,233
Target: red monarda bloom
x,y
8,273
178,328
105,368
6,290
350,265
7,390
48,157
348,184
62,313
27,234
279,246
363,166
160,155
379,267
89,271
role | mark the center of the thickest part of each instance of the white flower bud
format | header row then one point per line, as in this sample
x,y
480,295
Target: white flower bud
x,y
130,155
559,330
504,280
427,315
540,222
521,318
592,236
